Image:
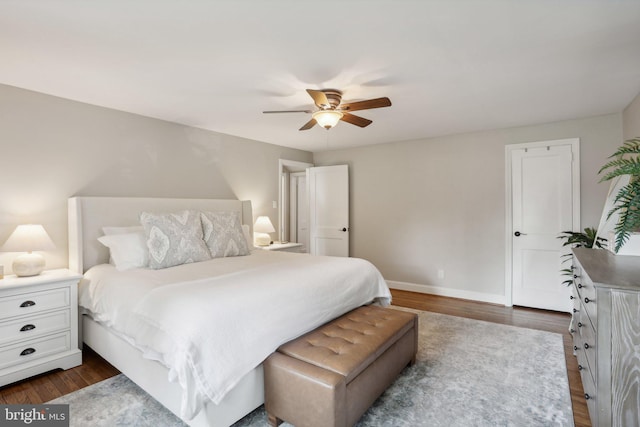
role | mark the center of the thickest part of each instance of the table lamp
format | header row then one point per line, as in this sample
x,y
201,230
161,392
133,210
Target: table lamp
x,y
28,238
261,230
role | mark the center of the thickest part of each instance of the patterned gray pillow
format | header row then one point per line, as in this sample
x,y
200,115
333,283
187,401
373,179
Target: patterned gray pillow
x,y
223,234
174,238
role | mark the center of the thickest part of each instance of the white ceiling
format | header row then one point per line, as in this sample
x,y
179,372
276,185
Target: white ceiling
x,y
448,66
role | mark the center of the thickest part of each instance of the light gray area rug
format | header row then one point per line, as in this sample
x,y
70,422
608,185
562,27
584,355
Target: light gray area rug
x,y
468,373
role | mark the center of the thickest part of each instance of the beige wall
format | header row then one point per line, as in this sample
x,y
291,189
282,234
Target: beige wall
x,y
439,203
416,206
631,119
53,148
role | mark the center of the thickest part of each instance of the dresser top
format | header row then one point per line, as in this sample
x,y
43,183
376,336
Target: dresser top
x,y
608,270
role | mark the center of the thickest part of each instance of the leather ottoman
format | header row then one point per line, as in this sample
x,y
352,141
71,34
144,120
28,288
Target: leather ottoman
x,y
330,376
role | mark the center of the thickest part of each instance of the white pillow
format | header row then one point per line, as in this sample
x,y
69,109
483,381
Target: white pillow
x,y
128,250
174,238
125,230
223,234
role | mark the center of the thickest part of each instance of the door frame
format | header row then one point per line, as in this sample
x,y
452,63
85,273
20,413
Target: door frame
x,y
293,204
575,190
285,165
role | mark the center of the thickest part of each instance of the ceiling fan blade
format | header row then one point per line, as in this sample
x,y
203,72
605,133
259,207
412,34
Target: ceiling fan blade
x,y
356,120
319,98
366,105
311,123
287,111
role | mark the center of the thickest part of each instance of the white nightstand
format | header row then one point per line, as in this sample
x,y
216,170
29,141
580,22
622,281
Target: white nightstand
x,y
284,247
38,324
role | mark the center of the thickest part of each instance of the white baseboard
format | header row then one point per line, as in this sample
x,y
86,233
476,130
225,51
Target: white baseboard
x,y
447,292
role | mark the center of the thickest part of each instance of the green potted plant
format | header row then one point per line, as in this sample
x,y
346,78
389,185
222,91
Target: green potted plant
x,y
583,239
625,161
579,239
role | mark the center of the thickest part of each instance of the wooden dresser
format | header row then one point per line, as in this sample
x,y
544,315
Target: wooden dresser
x,y
606,334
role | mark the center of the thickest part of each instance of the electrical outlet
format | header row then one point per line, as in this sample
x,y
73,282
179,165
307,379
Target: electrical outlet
x,y
275,204
440,274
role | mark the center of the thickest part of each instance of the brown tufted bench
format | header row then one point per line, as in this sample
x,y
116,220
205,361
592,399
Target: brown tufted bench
x,y
330,376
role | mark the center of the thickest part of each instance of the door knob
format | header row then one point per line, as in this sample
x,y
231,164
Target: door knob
x,y
517,234
344,229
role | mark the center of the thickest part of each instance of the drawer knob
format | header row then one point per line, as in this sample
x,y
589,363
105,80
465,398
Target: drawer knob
x,y
580,324
586,346
27,351
572,331
587,300
586,396
27,328
27,304
575,348
575,276
580,368
571,297
575,310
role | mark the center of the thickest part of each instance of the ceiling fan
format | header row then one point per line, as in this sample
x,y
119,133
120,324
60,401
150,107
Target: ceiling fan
x,y
332,109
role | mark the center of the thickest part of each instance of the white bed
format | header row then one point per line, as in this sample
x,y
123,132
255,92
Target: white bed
x,y
87,216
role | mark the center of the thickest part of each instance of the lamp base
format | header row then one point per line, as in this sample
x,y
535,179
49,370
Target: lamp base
x,y
261,239
28,265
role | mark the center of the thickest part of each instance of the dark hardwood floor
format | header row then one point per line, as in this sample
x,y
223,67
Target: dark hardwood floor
x,y
45,387
48,386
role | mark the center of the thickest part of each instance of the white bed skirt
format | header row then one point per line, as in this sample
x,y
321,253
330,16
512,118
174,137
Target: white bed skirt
x,y
152,377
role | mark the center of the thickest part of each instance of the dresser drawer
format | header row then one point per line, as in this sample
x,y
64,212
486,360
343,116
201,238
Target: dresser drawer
x,y
575,298
587,295
587,374
22,328
583,365
590,307
20,304
589,393
37,348
587,367
588,341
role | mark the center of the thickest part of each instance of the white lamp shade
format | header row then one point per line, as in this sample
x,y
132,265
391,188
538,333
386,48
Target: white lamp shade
x,y
263,225
261,230
28,238
327,118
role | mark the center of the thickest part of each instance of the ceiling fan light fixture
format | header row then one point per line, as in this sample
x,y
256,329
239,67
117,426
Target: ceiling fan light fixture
x,y
327,118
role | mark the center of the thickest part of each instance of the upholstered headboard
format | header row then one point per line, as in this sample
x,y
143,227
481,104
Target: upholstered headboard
x,y
87,216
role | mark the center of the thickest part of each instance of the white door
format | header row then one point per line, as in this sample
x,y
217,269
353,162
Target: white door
x,y
545,201
329,210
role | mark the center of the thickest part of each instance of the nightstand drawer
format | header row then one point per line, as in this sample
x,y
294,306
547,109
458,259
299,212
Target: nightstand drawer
x,y
16,354
33,326
33,302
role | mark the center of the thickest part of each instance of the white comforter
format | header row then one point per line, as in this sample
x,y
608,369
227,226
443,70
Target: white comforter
x,y
212,322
